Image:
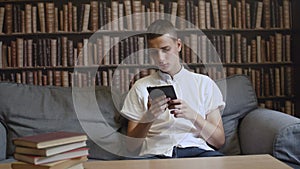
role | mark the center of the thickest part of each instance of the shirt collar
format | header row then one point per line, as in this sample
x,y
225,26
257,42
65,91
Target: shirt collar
x,y
166,77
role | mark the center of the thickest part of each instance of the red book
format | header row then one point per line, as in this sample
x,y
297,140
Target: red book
x,y
49,139
80,152
62,164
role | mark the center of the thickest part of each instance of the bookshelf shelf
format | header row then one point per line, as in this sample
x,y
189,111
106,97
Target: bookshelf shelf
x,y
43,39
113,66
127,33
263,98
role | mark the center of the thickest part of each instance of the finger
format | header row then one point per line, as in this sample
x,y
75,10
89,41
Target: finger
x,y
175,101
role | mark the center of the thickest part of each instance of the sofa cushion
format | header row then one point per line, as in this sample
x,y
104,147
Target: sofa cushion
x,y
2,141
29,109
265,131
240,99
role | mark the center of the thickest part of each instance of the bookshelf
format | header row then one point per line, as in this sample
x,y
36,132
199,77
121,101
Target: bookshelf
x,y
296,53
52,43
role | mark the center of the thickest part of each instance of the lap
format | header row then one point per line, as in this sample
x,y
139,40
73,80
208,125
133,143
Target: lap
x,y
188,152
194,152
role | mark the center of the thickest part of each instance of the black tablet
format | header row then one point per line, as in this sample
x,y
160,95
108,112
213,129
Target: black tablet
x,y
156,91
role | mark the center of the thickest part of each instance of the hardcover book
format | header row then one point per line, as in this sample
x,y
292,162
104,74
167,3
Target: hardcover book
x,y
49,151
49,139
80,152
53,165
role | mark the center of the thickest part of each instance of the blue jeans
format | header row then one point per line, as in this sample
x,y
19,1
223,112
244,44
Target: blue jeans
x,y
193,152
188,152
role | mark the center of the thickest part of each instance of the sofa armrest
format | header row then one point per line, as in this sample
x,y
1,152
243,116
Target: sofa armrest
x,y
3,137
265,131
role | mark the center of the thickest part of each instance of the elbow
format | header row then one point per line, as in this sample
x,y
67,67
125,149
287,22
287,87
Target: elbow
x,y
220,142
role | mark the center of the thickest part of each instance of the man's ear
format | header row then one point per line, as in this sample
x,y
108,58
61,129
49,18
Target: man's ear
x,y
179,44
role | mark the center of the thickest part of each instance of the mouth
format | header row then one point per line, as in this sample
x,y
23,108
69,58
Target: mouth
x,y
163,65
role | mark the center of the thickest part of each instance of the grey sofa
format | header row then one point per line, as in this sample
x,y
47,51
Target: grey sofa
x,y
28,109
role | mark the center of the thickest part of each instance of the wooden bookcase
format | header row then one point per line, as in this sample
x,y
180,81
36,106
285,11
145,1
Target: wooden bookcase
x,y
66,48
296,54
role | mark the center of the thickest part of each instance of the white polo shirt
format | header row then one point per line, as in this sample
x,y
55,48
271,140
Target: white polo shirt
x,y
199,91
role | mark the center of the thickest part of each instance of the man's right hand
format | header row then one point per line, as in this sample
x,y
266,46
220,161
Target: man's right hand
x,y
156,107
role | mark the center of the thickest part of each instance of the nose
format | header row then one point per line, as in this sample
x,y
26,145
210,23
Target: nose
x,y
160,56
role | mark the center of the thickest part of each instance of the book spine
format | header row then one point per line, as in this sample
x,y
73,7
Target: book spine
x,y
181,13
70,17
207,15
259,15
86,15
65,18
34,19
94,15
53,52
64,47
2,12
224,13
215,11
114,15
267,13
75,22
286,14
8,26
20,49
50,17
28,18
29,52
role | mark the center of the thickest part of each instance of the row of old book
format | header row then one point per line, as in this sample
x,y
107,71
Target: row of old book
x,y
286,106
63,51
53,150
107,50
236,48
268,81
204,14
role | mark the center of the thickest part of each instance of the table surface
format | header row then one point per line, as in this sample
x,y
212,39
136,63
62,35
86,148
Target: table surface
x,y
226,162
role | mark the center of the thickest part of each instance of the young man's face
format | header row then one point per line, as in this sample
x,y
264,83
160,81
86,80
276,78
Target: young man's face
x,y
165,52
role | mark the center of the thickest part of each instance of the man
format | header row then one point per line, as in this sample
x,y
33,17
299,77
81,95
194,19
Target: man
x,y
175,128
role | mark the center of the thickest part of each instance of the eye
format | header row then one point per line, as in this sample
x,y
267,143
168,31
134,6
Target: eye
x,y
166,49
153,52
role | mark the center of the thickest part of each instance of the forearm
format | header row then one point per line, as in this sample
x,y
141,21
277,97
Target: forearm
x,y
136,135
138,130
212,132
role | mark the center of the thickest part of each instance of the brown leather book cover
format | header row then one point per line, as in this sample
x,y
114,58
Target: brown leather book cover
x,y
34,19
94,15
86,16
114,15
215,11
224,13
74,18
2,12
278,45
70,16
28,18
50,17
8,26
41,14
267,13
65,18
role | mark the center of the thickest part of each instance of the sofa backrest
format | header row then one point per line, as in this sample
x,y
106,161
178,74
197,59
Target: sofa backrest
x,y
29,109
240,99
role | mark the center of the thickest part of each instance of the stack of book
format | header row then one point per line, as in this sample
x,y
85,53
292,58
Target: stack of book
x,y
55,150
